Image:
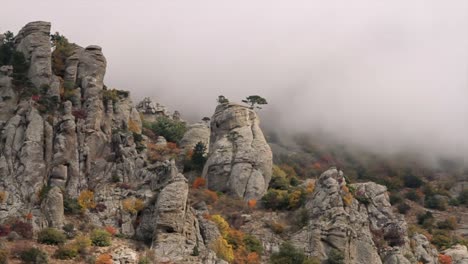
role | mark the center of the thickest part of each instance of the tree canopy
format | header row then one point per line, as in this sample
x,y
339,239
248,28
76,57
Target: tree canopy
x,y
254,101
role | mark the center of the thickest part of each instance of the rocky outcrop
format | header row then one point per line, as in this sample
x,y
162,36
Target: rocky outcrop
x,y
423,250
176,230
7,94
33,41
53,208
240,160
199,132
351,219
458,253
151,110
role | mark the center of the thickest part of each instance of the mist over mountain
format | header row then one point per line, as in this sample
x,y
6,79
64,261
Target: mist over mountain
x,y
386,76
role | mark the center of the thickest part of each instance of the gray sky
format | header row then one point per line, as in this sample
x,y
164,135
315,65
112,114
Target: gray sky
x,y
387,74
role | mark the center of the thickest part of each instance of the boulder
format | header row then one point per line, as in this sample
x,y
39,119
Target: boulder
x,y
459,254
240,160
199,132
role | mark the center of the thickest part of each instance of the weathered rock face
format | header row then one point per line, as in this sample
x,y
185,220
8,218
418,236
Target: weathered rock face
x,y
199,132
53,208
34,42
459,254
339,221
240,160
7,94
176,230
423,250
152,110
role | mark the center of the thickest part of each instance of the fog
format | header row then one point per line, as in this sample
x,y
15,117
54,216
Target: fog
x,y
389,75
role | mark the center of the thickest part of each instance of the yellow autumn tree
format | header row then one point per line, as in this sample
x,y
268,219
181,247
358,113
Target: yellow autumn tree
x,y
86,200
222,249
222,224
133,205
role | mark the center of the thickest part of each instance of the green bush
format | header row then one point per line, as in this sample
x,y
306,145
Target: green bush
x,y
51,236
463,197
252,244
403,208
435,202
442,240
171,130
412,181
288,254
66,252
413,196
335,257
34,256
71,206
100,238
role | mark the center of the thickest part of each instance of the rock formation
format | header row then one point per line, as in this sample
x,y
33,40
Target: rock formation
x,y
198,132
240,160
341,222
152,110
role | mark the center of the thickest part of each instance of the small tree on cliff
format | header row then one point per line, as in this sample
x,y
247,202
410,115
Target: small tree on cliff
x,y
254,100
222,99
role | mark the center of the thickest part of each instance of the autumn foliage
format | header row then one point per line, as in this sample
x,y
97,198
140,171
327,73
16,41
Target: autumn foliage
x,y
198,183
86,200
445,259
252,203
104,259
111,230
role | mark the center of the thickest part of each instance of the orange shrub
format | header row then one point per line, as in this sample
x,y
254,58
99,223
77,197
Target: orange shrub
x,y
252,203
198,183
212,196
445,259
28,216
111,230
310,187
104,259
253,258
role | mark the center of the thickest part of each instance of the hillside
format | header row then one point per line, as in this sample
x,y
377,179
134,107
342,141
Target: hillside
x,y
87,176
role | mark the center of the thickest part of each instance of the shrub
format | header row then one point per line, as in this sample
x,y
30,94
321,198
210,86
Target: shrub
x,y
276,199
82,243
288,254
66,252
277,227
222,249
252,203
111,230
198,183
133,205
252,244
442,240
445,259
69,230
413,195
3,196
104,259
403,208
196,158
435,202
171,130
86,200
412,181
426,220
4,256
335,257
71,206
23,229
33,256
463,197
395,198
51,236
5,230
449,223
223,226
100,238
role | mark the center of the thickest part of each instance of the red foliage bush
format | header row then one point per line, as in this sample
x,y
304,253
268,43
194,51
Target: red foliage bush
x,y
79,114
199,183
23,229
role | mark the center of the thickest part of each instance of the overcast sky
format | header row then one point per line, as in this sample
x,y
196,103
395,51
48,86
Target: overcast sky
x,y
389,74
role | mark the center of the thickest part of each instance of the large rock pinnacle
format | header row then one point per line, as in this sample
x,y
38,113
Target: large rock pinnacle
x,y
240,160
